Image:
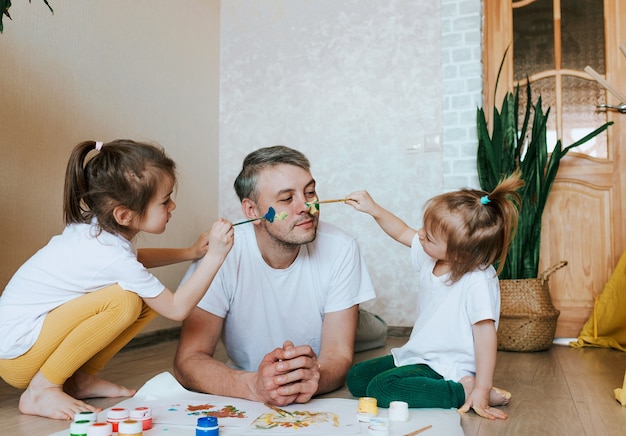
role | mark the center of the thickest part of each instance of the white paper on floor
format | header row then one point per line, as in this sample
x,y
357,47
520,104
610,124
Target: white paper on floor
x,y
175,411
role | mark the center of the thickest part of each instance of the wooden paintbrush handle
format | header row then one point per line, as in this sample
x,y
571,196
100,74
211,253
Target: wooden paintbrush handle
x,y
419,430
339,200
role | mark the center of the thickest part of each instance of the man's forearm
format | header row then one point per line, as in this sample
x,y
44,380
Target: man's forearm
x,y
333,374
205,374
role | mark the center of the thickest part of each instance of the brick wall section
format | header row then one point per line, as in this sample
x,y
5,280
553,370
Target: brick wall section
x,y
461,36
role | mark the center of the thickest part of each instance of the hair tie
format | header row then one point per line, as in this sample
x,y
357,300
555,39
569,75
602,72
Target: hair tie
x,y
99,145
485,199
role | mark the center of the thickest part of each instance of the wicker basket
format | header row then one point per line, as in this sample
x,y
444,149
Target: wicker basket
x,y
527,315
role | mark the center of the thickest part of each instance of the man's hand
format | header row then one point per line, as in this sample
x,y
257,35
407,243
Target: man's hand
x,y
288,375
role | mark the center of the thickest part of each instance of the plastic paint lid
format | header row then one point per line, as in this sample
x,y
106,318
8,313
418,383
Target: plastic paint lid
x,y
130,426
86,415
100,429
117,413
384,422
379,427
378,430
79,428
141,413
399,411
367,408
368,405
207,423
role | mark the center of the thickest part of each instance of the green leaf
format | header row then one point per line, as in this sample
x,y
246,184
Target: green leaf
x,y
4,8
6,4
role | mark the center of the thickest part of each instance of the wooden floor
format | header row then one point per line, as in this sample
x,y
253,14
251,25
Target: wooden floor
x,y
562,391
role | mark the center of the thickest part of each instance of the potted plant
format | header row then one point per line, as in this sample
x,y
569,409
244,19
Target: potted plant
x,y
509,147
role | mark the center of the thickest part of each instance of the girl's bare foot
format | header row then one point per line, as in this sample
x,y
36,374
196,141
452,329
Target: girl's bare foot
x,y
82,385
43,398
497,396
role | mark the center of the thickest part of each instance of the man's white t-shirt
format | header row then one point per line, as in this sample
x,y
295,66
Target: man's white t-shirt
x,y
442,336
263,306
72,264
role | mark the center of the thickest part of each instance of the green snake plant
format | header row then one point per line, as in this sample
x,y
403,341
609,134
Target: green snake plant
x,y
509,147
4,10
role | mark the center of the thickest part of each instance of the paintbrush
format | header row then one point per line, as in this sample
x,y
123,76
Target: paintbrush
x,y
419,430
339,200
269,216
283,412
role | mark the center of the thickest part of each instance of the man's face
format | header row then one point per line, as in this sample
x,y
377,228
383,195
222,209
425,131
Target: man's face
x,y
287,188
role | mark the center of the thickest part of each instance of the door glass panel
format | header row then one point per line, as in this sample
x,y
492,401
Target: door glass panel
x,y
580,116
583,34
579,26
533,39
546,89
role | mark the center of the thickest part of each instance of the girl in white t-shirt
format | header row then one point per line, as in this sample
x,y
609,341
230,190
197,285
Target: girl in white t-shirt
x,y
449,360
88,292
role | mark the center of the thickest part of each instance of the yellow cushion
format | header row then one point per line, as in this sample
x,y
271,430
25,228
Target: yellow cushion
x,y
610,314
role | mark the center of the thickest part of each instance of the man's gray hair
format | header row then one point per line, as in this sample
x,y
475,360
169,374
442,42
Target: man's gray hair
x,y
258,160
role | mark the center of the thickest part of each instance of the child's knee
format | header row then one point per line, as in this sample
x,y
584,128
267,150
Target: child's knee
x,y
127,305
130,304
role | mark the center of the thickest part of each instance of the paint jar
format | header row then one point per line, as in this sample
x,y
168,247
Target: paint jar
x,y
379,426
398,411
86,415
100,429
367,408
130,427
378,430
207,426
143,415
116,415
79,428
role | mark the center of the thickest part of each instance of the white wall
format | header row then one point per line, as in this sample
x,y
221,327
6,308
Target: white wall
x,y
141,69
461,48
353,84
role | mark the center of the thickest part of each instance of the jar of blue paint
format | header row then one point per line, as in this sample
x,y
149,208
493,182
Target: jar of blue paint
x,y
207,426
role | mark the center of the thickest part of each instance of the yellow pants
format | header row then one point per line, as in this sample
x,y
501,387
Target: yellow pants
x,y
84,334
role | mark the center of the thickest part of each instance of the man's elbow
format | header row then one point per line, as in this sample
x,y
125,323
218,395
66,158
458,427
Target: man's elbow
x,y
181,373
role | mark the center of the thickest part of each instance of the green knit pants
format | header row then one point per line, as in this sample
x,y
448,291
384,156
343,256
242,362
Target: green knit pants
x,y
417,385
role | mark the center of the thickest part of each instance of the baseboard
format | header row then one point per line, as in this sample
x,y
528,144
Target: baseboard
x,y
170,334
153,338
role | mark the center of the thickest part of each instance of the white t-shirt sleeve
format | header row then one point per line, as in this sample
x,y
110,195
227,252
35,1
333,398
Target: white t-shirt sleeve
x,y
215,300
418,255
135,277
483,300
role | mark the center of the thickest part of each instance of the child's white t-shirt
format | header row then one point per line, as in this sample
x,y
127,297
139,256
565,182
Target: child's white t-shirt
x,y
72,264
442,336
263,306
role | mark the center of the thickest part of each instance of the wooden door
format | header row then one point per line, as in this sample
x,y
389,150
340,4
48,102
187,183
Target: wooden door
x,y
584,219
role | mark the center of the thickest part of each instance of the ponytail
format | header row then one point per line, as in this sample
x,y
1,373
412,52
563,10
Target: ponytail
x,y
76,187
506,198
